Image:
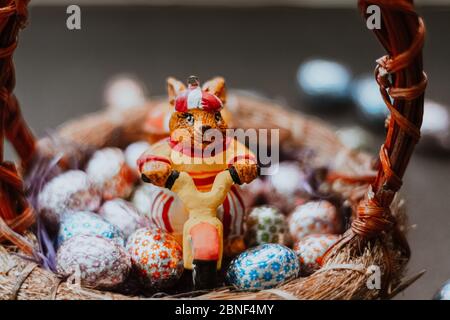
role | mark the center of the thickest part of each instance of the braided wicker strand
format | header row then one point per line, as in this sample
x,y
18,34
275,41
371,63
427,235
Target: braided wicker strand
x,y
402,35
15,214
400,76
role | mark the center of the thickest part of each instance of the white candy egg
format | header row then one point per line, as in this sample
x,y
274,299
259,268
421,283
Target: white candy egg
x,y
133,152
108,171
97,262
123,215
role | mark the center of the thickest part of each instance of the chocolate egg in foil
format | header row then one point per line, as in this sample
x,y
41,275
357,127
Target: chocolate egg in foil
x,y
443,293
311,249
263,267
68,192
123,215
314,217
87,223
95,261
266,224
109,172
133,152
156,257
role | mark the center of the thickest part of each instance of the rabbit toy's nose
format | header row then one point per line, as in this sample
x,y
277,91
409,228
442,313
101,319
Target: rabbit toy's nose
x,y
205,128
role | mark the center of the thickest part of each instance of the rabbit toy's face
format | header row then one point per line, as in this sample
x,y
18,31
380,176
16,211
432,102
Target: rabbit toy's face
x,y
197,127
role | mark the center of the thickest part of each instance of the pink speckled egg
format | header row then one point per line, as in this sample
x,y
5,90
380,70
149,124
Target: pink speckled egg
x,y
311,249
109,172
314,217
156,256
97,262
123,215
70,191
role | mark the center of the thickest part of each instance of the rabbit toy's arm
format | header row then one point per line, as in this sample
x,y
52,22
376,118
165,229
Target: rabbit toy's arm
x,y
243,164
155,165
197,201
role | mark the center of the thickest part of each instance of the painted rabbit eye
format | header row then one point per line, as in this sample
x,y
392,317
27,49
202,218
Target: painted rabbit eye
x,y
218,117
189,118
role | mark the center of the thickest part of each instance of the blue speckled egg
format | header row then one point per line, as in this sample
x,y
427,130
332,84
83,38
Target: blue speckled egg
x,y
263,267
324,79
443,293
87,223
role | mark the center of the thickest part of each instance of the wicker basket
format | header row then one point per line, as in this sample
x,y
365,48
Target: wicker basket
x,y
377,233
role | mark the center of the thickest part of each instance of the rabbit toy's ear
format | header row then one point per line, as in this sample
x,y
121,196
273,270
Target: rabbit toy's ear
x,y
174,88
216,86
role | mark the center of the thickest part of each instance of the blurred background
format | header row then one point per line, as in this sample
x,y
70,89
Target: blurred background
x,y
257,45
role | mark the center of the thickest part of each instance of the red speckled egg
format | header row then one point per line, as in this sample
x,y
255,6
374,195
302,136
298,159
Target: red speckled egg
x,y
311,249
156,256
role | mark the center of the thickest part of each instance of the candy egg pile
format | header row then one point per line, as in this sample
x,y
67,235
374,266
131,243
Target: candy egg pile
x,y
263,267
115,232
96,261
156,256
266,225
314,217
311,249
87,223
109,171
68,192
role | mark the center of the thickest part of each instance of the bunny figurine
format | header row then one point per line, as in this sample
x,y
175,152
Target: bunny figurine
x,y
202,165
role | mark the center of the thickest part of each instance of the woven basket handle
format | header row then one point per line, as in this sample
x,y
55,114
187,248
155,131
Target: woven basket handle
x,y
402,83
15,213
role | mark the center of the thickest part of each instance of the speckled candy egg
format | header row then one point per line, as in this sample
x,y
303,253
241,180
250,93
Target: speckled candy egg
x,y
314,217
87,223
311,249
68,192
263,267
98,262
443,293
288,178
108,171
265,225
123,215
156,256
133,152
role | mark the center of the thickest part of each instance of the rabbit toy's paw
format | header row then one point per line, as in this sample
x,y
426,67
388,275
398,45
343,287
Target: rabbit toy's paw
x,y
244,171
